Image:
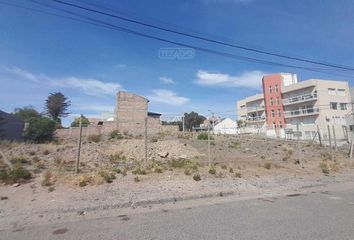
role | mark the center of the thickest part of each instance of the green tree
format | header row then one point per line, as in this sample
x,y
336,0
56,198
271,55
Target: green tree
x,y
85,122
40,129
193,119
241,123
56,106
26,113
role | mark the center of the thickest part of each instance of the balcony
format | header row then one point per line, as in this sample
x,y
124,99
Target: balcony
x,y
255,109
255,119
301,112
300,99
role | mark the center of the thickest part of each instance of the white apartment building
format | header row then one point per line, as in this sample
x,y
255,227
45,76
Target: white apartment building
x,y
308,104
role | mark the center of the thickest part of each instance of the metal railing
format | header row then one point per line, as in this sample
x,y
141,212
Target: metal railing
x,y
300,98
255,109
301,112
256,119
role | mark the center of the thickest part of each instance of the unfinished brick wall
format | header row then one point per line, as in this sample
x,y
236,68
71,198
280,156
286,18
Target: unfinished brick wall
x,y
131,111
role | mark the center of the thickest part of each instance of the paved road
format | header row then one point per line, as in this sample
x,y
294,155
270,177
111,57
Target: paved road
x,y
321,215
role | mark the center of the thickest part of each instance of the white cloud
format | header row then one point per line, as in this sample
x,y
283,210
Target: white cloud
x,y
250,79
92,87
120,65
167,80
167,97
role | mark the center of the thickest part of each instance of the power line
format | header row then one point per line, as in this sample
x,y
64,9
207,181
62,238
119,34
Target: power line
x,y
210,51
204,38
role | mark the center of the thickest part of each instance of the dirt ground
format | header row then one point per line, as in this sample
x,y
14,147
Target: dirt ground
x,y
113,173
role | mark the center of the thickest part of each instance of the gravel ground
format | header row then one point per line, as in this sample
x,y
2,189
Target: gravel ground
x,y
31,203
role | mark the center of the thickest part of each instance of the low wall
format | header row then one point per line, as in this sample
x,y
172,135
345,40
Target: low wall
x,y
108,127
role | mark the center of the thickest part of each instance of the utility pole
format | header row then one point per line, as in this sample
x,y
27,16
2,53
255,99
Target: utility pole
x,y
79,146
145,139
209,145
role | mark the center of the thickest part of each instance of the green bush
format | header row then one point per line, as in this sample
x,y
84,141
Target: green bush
x,y
17,174
40,129
107,176
196,177
94,138
116,135
139,171
324,167
117,157
267,165
19,160
212,170
204,136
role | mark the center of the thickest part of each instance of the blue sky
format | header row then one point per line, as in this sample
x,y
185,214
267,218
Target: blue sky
x,y
41,53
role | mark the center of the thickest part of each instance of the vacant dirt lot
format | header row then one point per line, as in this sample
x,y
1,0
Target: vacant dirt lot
x,y
114,174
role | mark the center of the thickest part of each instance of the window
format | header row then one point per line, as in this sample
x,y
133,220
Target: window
x,y
280,124
271,101
333,105
278,101
332,91
279,113
343,106
270,89
274,125
272,113
276,88
341,92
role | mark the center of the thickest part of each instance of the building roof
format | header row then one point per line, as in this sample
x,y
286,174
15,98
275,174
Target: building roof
x,y
152,114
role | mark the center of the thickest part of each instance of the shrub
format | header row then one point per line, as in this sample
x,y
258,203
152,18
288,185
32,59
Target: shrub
x,y
84,180
139,171
158,169
47,177
124,172
40,129
238,174
17,174
116,135
231,170
196,177
267,166
117,170
32,153
235,144
136,179
154,140
51,189
324,167
46,152
107,176
187,171
224,167
212,170
117,157
94,138
204,136
19,160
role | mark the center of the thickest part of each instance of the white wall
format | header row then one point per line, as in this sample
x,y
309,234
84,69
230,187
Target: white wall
x,y
227,126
